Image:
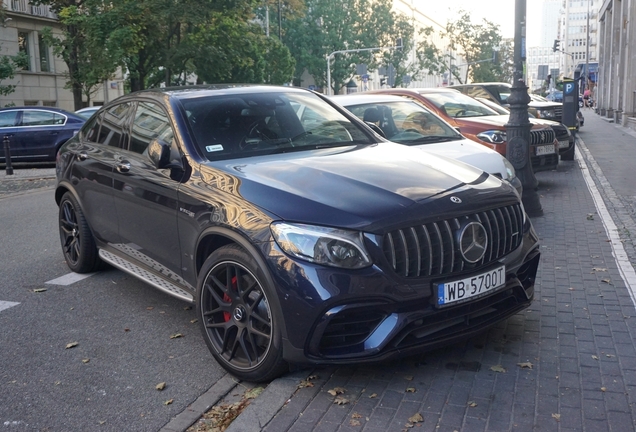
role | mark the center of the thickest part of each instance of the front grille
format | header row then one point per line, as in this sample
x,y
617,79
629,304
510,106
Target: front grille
x,y
432,249
558,113
543,136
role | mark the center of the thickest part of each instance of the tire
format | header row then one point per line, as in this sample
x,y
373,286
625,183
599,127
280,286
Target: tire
x,y
78,243
234,306
569,154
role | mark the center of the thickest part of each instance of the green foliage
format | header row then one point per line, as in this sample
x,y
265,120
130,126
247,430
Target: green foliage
x,y
476,43
342,25
9,65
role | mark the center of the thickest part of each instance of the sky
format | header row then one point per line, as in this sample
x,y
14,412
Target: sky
x,y
500,12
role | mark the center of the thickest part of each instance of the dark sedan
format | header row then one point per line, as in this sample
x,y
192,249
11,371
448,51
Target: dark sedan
x,y
36,133
300,235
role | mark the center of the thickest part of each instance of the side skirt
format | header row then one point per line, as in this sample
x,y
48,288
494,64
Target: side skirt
x,y
147,276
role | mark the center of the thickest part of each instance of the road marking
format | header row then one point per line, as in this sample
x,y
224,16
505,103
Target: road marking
x,y
625,267
69,279
7,304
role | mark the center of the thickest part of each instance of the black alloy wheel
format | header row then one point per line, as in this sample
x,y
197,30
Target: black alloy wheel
x,y
235,310
78,244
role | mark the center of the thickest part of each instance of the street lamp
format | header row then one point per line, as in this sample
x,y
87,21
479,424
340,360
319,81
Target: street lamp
x,y
518,126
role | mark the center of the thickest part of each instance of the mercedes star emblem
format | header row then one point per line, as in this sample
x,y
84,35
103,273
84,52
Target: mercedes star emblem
x,y
473,241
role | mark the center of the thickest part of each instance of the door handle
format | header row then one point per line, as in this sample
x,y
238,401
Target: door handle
x,y
82,156
123,166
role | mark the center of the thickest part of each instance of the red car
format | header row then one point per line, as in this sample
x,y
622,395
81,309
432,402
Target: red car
x,y
482,124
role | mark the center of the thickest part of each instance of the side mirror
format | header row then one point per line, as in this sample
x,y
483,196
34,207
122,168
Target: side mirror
x,y
376,129
160,153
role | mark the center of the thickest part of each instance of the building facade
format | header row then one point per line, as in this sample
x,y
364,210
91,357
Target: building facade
x,y
616,92
43,81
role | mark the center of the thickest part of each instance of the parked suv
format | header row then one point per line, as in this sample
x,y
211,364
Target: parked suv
x,y
36,133
499,92
300,235
482,124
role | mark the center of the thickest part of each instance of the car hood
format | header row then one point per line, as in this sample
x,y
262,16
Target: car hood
x,y
544,105
351,186
469,152
497,121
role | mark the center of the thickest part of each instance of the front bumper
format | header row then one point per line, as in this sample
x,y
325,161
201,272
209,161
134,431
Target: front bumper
x,y
336,316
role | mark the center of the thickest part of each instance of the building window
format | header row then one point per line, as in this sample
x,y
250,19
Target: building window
x,y
44,55
23,47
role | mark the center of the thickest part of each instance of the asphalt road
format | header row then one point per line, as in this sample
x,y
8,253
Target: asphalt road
x,y
88,355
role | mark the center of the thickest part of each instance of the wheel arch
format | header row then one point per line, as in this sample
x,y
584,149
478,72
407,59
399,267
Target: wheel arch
x,y
217,237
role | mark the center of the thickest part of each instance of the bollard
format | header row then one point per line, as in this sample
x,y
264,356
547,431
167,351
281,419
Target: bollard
x,y
7,156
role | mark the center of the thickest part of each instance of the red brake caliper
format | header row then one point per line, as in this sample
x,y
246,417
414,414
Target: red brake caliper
x,y
226,298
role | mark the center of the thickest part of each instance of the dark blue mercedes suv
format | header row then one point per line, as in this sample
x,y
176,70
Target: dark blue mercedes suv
x,y
300,235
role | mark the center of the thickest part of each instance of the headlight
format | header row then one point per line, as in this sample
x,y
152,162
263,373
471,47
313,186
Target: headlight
x,y
545,113
322,245
510,170
493,136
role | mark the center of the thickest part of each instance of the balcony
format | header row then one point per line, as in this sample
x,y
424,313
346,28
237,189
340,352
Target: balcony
x,y
23,6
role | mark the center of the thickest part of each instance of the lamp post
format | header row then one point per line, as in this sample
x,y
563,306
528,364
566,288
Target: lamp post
x,y
518,126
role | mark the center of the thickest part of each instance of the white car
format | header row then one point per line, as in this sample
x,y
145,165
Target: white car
x,y
407,122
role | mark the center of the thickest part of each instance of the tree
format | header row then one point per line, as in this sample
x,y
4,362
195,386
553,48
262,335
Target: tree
x,y
476,43
9,65
328,26
89,64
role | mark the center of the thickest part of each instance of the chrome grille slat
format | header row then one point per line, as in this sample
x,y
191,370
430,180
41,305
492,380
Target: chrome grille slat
x,y
418,251
431,249
406,252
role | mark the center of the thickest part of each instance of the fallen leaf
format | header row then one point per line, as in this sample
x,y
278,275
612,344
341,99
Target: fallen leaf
x,y
527,365
176,335
373,395
194,321
557,268
408,425
160,386
590,216
498,368
354,422
305,383
101,422
417,418
168,402
253,393
85,360
609,355
607,281
71,345
595,357
598,269
571,289
39,290
149,308
340,400
355,415
408,377
312,377
603,389
410,389
126,330
472,404
336,391
557,417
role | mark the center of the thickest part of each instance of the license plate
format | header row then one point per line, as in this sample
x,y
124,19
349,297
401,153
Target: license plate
x,y
462,289
544,150
547,149
564,144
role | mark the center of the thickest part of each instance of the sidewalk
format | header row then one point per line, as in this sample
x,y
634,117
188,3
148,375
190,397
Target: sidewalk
x,y
568,363
25,179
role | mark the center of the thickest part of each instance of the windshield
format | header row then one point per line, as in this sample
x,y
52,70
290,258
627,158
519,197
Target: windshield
x,y
457,104
243,125
500,91
405,122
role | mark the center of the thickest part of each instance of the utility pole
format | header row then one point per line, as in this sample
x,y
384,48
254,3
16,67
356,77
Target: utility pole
x,y
518,126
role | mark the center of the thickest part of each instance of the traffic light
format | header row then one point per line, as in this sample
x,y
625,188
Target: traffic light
x,y
556,46
398,44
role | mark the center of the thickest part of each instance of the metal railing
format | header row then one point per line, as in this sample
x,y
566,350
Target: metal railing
x,y
23,6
